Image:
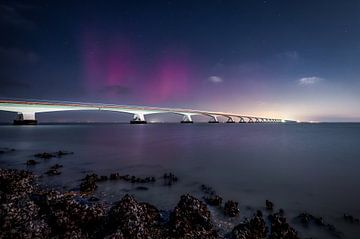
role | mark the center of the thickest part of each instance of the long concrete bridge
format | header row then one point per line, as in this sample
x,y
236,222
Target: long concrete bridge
x,y
27,109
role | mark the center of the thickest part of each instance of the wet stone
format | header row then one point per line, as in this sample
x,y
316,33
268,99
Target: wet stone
x,y
56,166
213,200
135,220
307,218
45,155
6,150
207,189
254,228
31,162
169,179
191,219
53,172
269,205
88,183
350,218
142,188
231,208
280,228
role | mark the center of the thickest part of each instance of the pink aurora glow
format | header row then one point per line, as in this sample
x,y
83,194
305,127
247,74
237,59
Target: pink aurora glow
x,y
116,66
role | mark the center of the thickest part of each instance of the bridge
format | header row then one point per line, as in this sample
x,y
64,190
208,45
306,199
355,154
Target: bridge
x,y
27,109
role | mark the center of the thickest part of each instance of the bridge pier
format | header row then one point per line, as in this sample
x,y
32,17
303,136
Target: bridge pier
x,y
25,119
138,119
213,119
187,119
230,120
242,120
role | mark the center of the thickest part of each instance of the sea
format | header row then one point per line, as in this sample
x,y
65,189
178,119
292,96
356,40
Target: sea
x,y
303,167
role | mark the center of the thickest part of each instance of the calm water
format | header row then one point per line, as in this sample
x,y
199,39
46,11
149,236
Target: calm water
x,y
300,167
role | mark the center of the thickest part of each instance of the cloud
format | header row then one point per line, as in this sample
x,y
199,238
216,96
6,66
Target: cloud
x,y
215,79
311,80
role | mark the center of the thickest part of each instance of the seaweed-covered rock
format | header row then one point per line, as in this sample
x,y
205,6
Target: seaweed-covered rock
x,y
169,179
254,228
280,228
31,162
52,172
19,216
191,219
213,200
6,150
135,220
16,183
70,216
351,219
269,205
88,184
231,209
45,155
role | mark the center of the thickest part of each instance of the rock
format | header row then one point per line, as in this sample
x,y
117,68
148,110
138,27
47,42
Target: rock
x,y
213,200
169,179
269,205
207,189
307,218
45,155
71,216
6,150
191,219
231,209
56,166
31,162
254,229
102,178
19,216
135,220
142,188
351,219
280,228
114,176
88,184
53,172
61,153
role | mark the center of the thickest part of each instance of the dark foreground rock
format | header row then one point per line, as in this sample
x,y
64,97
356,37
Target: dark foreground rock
x,y
231,209
306,219
130,219
88,183
280,228
254,228
191,219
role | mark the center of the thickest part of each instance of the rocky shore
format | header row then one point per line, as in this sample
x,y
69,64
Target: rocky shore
x,y
30,209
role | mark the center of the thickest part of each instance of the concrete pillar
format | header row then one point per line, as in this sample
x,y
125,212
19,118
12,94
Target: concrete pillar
x,y
138,118
213,119
242,120
25,118
187,119
230,120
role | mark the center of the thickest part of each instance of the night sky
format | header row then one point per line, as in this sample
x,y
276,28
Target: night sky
x,y
296,59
